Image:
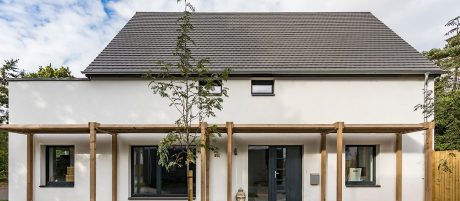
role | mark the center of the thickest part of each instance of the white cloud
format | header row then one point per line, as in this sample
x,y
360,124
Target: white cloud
x,y
73,32
60,32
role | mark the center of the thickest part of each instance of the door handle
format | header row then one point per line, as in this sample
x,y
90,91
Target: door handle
x,y
276,173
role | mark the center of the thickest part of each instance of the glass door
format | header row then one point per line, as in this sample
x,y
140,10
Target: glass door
x,y
275,173
280,173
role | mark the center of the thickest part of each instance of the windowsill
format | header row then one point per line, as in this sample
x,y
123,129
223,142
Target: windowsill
x,y
362,185
158,198
57,186
263,94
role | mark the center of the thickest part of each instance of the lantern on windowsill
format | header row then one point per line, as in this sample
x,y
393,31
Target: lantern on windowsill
x,y
240,196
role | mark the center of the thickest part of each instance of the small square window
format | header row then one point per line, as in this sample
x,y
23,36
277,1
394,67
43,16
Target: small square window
x,y
262,87
60,166
360,165
216,87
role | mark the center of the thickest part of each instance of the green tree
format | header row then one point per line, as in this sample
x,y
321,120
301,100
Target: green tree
x,y
50,72
8,70
447,92
188,85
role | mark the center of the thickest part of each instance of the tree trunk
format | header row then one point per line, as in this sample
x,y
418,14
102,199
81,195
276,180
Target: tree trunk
x,y
189,184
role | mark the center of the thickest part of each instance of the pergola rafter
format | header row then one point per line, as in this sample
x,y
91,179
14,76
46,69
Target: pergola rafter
x,y
231,129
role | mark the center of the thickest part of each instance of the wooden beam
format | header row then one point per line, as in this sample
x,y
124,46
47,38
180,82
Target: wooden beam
x,y
398,167
428,160
229,160
143,128
340,126
114,166
383,128
323,166
203,159
30,129
282,128
30,167
92,161
237,128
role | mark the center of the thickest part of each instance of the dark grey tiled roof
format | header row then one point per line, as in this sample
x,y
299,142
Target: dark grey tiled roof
x,y
265,43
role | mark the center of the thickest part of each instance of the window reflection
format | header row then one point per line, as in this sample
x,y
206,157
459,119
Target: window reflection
x,y
360,164
149,179
60,165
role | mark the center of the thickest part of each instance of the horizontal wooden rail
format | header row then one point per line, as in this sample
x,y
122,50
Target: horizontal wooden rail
x,y
238,128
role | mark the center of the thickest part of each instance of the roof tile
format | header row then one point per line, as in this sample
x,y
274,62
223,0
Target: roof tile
x,y
265,43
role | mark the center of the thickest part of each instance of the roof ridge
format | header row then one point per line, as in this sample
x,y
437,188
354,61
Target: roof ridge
x,y
259,12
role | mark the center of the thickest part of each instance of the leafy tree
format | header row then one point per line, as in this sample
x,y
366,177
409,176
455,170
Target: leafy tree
x,y
447,92
187,84
50,72
8,70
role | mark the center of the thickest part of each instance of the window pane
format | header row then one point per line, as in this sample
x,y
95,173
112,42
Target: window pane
x,y
144,168
150,179
60,165
216,90
360,164
174,181
262,86
265,89
258,173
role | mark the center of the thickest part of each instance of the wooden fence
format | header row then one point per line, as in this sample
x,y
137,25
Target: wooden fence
x,y
446,176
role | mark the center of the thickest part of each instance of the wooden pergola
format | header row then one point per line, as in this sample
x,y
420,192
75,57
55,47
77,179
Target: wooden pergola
x,y
94,128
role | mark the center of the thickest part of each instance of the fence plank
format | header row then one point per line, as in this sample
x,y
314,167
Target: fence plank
x,y
446,183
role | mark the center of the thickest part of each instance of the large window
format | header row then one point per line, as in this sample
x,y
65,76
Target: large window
x,y
60,166
149,179
360,165
262,87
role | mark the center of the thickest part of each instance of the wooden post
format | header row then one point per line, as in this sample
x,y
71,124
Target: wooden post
x,y
340,126
229,160
92,161
207,166
114,166
399,167
204,165
190,185
428,160
323,166
30,166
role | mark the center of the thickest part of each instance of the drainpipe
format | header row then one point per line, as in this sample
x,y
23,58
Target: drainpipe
x,y
425,88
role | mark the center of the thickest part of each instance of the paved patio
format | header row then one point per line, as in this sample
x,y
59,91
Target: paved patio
x,y
3,191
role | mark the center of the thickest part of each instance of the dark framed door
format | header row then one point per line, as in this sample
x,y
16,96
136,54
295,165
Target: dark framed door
x,y
275,173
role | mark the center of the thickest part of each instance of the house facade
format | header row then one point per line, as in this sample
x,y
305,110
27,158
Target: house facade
x,y
287,69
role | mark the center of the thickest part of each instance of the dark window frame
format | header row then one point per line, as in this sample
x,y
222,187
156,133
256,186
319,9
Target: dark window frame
x,y
158,182
47,159
263,82
215,83
374,166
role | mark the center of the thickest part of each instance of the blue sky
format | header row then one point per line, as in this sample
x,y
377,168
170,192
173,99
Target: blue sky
x,y
73,32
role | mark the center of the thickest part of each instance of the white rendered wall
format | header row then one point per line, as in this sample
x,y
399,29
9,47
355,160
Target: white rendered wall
x,y
302,100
